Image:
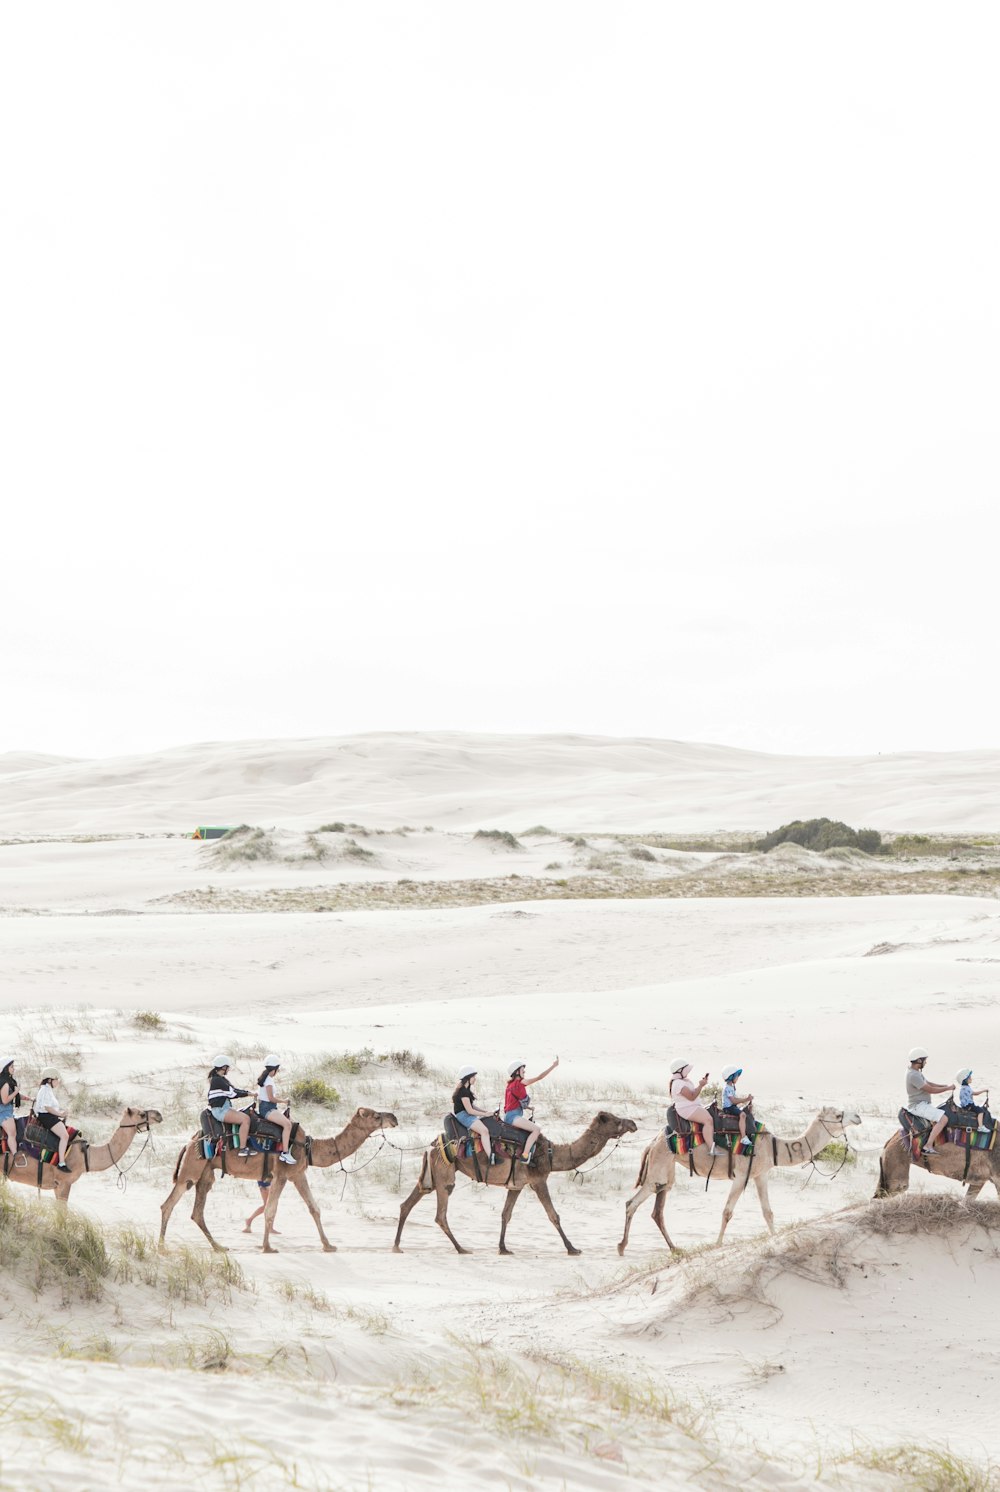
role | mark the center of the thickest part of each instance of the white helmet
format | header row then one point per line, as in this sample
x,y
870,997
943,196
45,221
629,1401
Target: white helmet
x,y
514,1067
730,1070
680,1064
963,1074
271,1060
467,1072
918,1054
222,1061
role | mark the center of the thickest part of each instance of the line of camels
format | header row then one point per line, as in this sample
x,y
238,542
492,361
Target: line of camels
x,y
438,1173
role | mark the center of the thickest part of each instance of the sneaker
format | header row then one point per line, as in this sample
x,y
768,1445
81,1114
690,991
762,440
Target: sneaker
x,y
243,1154
927,1150
715,1150
61,1167
286,1157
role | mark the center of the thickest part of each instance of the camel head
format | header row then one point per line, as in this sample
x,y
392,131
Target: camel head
x,y
837,1120
140,1119
612,1127
372,1119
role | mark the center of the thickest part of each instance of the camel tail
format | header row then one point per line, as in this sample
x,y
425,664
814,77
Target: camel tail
x,y
640,1180
177,1168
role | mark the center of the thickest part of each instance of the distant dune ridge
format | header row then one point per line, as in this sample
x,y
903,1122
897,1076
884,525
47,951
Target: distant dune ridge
x,y
459,780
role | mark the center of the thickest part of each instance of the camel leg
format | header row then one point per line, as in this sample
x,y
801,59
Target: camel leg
x,y
973,1190
662,1192
204,1185
166,1208
760,1182
62,1187
301,1185
541,1191
405,1210
893,1168
735,1192
508,1212
444,1191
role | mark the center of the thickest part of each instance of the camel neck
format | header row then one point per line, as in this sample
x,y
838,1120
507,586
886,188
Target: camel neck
x,y
101,1157
584,1147
799,1151
329,1152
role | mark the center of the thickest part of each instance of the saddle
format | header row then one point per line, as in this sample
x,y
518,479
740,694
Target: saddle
x,y
912,1125
507,1138
263,1134
36,1141
676,1124
959,1118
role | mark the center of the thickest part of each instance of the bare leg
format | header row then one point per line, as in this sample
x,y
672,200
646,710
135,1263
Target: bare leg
x,y
62,1135
523,1122
10,1130
936,1132
508,1209
480,1129
541,1190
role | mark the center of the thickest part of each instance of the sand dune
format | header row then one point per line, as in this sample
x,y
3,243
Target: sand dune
x,y
459,780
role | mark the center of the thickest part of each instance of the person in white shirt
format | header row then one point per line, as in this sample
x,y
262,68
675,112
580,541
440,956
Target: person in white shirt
x,y
267,1105
50,1116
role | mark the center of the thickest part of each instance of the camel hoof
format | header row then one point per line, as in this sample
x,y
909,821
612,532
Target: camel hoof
x,y
621,1249
329,1248
508,1252
266,1248
396,1249
574,1252
462,1251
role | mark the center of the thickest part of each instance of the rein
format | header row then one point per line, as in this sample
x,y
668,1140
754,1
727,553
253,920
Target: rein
x,y
123,1173
812,1159
578,1175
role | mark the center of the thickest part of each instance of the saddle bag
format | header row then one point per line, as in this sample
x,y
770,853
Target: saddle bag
x,y
263,1129
913,1124
37,1134
211,1128
676,1123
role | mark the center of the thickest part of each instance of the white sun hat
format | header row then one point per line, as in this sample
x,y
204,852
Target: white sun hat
x,y
963,1074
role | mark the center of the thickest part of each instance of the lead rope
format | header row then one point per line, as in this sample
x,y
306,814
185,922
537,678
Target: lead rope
x,y
812,1159
577,1174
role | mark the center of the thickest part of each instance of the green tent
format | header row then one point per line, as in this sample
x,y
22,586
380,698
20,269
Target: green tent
x,y
204,831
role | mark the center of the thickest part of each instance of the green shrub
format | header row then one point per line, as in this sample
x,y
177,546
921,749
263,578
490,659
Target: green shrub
x,y
244,844
538,830
316,1091
499,836
149,1020
335,828
355,851
637,852
414,1062
822,834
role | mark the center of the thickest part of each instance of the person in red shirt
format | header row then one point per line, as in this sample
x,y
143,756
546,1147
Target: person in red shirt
x,y
516,1100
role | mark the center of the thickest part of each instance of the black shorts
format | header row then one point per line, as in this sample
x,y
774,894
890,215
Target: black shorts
x,y
47,1121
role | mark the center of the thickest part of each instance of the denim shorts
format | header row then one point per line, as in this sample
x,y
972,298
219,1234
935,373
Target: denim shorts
x,y
467,1119
6,1111
264,1108
220,1111
512,1114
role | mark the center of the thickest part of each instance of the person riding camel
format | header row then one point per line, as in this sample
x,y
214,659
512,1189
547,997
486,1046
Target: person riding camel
x,y
220,1099
918,1091
468,1113
515,1101
50,1116
734,1103
685,1095
9,1099
967,1096
267,1105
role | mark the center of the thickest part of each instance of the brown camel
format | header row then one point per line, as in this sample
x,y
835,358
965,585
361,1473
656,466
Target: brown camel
x,y
896,1159
658,1168
437,1174
81,1156
192,1169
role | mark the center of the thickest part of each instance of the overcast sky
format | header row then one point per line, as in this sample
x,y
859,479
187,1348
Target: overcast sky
x,y
621,368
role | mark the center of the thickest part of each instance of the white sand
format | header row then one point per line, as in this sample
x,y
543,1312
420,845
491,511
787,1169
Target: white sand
x,y
616,987
453,780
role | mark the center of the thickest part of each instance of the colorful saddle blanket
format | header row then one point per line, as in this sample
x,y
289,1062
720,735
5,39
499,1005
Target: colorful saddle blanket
x,y
40,1146
683,1144
966,1136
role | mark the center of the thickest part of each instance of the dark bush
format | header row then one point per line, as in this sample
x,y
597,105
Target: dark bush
x,y
822,834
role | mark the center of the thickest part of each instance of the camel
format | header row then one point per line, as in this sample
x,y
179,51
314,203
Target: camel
x,y
437,1174
81,1156
980,1167
658,1168
192,1169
